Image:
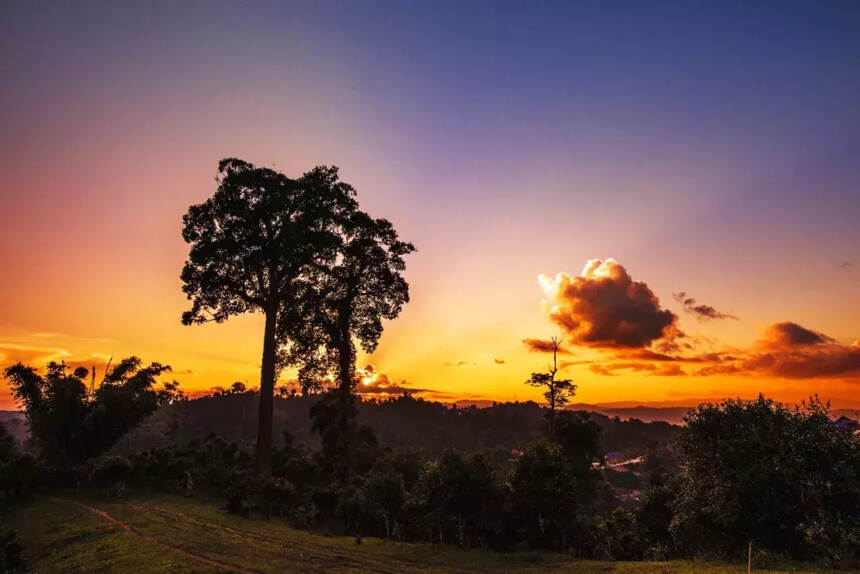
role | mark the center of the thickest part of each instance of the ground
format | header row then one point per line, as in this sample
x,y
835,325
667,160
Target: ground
x,y
160,533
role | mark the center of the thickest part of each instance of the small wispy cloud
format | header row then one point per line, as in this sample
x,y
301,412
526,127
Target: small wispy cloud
x,y
53,335
461,364
698,310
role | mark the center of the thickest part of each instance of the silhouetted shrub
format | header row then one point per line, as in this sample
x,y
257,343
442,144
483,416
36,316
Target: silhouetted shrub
x,y
111,474
787,479
11,554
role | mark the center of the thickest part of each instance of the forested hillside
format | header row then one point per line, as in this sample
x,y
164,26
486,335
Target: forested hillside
x,y
398,422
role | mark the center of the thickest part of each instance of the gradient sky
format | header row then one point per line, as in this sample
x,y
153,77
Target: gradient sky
x,y
708,147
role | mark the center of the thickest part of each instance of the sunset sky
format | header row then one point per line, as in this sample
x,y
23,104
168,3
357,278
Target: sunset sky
x,y
564,169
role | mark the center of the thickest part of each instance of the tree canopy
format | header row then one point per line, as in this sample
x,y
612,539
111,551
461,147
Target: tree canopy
x,y
349,299
785,478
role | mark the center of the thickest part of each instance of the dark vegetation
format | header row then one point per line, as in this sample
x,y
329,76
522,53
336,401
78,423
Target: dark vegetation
x,y
513,476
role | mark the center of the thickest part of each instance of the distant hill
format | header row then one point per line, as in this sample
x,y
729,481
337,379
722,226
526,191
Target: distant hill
x,y
670,414
16,423
400,422
11,415
644,413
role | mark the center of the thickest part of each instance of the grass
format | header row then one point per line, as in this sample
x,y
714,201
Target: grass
x,y
173,534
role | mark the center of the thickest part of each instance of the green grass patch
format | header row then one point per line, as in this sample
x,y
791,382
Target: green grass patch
x,y
173,534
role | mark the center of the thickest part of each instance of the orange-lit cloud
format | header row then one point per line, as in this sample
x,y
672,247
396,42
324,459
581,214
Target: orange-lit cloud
x,y
11,353
785,351
790,351
604,307
609,369
371,382
785,334
622,320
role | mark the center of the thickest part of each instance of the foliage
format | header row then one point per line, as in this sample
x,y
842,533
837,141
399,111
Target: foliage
x,y
71,422
8,447
550,497
462,499
349,298
11,553
110,474
346,446
785,478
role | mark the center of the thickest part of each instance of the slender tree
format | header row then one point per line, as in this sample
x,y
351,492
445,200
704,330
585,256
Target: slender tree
x,y
350,299
558,392
252,244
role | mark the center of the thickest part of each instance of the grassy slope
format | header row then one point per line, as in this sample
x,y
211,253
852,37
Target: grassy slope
x,y
60,536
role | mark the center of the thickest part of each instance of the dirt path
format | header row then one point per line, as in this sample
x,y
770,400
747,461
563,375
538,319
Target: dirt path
x,y
186,553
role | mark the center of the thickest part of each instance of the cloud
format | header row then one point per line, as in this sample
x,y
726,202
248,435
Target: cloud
x,y
52,335
700,311
600,370
787,334
790,351
672,370
372,382
545,346
604,307
566,364
11,353
461,364
665,370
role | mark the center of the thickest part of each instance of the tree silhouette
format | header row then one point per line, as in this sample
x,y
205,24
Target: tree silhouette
x,y
350,298
70,423
252,243
558,391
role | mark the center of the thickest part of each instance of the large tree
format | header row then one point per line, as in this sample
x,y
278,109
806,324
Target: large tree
x,y
252,244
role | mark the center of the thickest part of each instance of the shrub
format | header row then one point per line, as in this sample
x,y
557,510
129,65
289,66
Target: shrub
x,y
111,474
11,553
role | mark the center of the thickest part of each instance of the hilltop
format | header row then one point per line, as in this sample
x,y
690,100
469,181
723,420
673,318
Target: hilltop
x,y
398,422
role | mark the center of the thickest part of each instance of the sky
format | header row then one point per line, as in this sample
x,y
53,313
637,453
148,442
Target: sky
x,y
604,172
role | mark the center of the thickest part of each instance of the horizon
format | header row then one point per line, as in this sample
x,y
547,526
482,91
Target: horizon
x,y
671,190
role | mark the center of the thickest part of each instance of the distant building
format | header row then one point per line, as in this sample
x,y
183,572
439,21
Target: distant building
x,y
613,457
845,423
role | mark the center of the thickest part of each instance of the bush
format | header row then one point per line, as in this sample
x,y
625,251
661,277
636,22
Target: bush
x,y
786,478
11,554
111,474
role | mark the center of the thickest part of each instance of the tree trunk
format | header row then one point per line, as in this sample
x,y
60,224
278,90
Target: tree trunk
x,y
346,361
267,392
